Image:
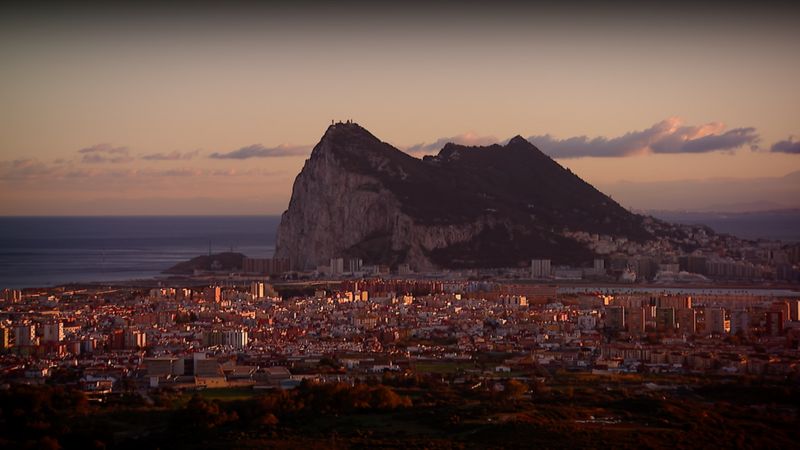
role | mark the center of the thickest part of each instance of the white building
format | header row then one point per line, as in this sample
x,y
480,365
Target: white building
x,y
236,338
540,268
257,289
135,338
337,266
716,323
25,335
53,332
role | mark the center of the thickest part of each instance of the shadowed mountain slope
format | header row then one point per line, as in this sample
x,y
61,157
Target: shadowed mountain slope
x,y
494,206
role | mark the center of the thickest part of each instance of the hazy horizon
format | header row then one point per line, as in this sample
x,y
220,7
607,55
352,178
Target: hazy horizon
x,y
212,109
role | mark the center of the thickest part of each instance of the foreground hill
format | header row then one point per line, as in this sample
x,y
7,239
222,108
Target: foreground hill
x,y
418,411
494,206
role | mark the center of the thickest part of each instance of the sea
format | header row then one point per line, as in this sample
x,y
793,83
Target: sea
x,y
782,225
49,251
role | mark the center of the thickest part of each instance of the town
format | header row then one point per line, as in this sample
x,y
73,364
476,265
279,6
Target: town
x,y
258,353
247,334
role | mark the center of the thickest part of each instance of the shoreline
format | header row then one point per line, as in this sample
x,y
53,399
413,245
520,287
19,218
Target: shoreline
x,y
172,280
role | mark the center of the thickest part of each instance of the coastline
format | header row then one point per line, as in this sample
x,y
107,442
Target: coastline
x,y
563,288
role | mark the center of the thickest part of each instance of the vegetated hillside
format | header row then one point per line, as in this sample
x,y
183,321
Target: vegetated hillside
x,y
218,261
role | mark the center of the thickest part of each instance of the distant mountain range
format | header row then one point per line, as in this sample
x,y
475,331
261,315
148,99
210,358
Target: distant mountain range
x,y
493,206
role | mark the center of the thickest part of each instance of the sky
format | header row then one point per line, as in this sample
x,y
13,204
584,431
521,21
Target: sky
x,y
212,108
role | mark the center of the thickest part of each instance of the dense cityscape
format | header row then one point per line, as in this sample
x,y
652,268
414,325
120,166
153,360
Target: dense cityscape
x,y
240,331
498,331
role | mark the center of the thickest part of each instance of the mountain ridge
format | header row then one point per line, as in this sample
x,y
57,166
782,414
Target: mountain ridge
x,y
490,206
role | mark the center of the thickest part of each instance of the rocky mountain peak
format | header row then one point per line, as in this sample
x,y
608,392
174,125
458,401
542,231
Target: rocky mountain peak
x,y
493,206
518,140
356,148
347,129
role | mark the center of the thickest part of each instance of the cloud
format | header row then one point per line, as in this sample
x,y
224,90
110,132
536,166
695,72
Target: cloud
x,y
667,136
105,153
179,172
35,170
462,139
729,140
32,169
171,156
149,203
260,151
104,148
20,169
95,158
188,172
787,146
81,173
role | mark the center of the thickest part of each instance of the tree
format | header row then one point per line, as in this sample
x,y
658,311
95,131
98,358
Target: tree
x,y
514,389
